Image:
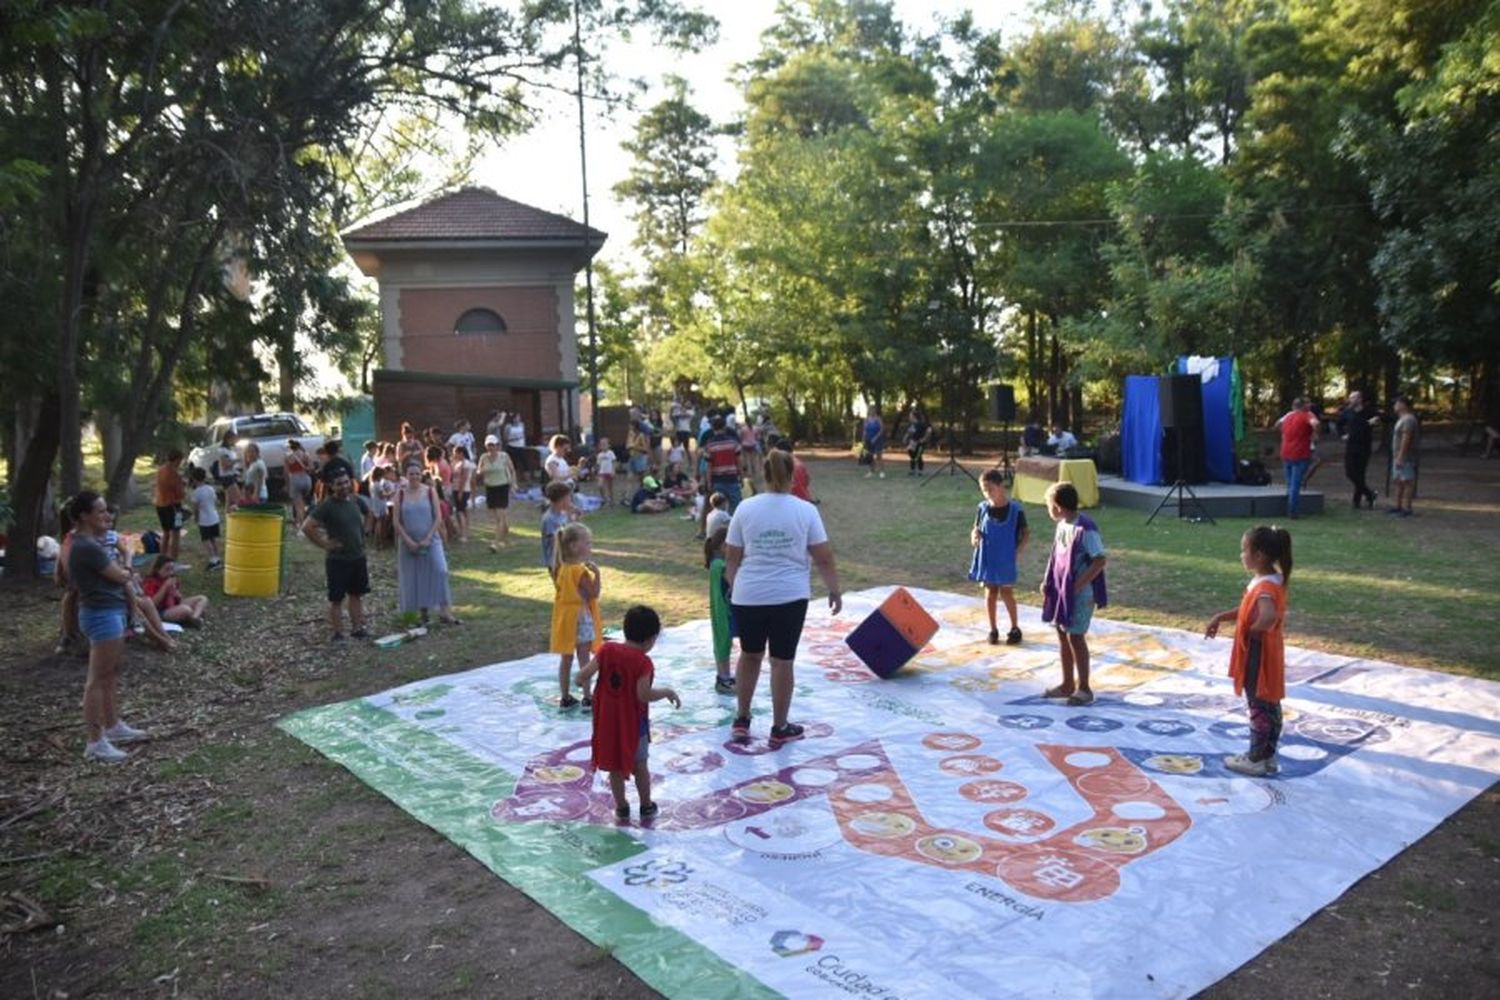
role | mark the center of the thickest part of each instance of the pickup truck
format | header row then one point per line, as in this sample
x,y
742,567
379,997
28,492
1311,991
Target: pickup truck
x,y
270,431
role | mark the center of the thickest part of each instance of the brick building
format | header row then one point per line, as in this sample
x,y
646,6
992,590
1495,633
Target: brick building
x,y
476,301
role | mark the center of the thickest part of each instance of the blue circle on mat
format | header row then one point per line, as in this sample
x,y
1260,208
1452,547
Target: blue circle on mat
x,y
1165,727
1234,730
1093,724
1024,721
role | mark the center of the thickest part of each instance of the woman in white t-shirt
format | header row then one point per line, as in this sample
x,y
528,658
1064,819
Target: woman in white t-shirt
x,y
773,540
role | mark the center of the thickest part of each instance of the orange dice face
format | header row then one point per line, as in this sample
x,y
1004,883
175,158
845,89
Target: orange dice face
x,y
909,617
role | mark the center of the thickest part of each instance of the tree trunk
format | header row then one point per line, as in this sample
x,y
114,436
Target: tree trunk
x,y
112,433
1054,378
29,491
1033,370
78,230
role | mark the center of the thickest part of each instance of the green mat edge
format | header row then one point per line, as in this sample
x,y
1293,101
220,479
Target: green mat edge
x,y
663,957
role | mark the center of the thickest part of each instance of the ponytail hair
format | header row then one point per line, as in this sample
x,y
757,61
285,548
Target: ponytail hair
x,y
1275,544
779,469
714,546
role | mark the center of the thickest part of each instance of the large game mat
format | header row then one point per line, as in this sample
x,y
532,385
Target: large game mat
x,y
946,833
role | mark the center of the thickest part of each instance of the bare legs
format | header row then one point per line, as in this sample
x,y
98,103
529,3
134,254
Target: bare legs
x,y
783,681
642,775
100,690
1074,650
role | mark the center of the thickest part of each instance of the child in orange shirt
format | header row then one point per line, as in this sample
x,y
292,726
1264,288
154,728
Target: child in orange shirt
x,y
622,715
575,609
1258,662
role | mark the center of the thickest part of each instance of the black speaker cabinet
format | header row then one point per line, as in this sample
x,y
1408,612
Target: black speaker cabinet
x,y
1003,404
1181,400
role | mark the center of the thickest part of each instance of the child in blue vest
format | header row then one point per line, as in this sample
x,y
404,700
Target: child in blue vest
x,y
1072,588
999,534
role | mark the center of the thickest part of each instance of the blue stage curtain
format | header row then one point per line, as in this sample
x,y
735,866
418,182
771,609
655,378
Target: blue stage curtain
x,y
1140,430
1218,421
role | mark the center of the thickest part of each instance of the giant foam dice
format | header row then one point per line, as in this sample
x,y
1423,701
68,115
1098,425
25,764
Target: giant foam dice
x,y
894,633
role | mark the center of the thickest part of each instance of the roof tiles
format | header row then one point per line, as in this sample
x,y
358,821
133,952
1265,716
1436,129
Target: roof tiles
x,y
473,213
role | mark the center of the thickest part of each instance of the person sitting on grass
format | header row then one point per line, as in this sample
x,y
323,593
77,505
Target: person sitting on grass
x,y
161,586
622,714
648,499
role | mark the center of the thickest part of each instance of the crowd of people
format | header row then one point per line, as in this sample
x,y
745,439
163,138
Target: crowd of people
x,y
416,495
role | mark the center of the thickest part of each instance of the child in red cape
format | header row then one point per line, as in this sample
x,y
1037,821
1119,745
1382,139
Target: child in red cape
x,y
622,716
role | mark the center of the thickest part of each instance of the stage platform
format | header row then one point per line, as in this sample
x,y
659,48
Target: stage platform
x,y
1219,499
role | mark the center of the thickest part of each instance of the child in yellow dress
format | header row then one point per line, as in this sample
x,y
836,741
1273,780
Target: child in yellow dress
x,y
575,609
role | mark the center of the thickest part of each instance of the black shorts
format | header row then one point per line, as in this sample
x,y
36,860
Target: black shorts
x,y
460,500
167,517
497,497
683,438
778,624
208,532
346,577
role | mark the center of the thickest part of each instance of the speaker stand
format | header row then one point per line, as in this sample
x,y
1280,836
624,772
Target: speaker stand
x,y
1183,492
953,466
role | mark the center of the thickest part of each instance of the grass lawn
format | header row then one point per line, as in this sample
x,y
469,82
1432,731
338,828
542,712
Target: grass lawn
x,y
228,859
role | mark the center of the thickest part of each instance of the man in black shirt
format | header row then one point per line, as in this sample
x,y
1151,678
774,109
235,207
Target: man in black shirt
x,y
1357,422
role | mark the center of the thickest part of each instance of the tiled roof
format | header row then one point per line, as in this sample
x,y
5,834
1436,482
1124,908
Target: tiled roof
x,y
473,213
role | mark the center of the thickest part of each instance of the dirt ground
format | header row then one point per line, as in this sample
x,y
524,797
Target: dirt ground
x,y
229,860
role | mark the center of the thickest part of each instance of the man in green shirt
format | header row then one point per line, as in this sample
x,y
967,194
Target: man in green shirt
x,y
338,526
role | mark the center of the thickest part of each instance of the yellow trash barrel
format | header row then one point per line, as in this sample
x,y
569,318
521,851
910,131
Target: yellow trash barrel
x,y
253,551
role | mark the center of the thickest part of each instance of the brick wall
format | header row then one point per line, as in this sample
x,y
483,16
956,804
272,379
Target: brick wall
x,y
528,348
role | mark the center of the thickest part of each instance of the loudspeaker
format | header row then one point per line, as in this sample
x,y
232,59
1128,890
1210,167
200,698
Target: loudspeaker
x,y
1193,463
1181,400
1003,404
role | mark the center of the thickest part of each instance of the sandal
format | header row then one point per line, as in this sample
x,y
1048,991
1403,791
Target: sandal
x,y
649,810
1061,691
567,702
1080,698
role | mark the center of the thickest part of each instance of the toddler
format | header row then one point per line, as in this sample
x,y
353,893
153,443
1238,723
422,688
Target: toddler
x,y
720,613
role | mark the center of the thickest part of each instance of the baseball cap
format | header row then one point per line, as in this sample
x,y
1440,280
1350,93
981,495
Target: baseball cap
x,y
490,439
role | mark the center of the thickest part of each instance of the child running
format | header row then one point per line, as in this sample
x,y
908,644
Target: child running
x,y
999,535
1258,661
720,614
1072,587
575,609
622,716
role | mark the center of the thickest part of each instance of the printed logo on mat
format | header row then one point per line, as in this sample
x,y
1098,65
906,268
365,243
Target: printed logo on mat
x,y
654,874
790,944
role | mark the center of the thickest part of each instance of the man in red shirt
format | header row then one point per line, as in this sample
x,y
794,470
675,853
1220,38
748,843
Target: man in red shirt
x,y
722,446
1299,431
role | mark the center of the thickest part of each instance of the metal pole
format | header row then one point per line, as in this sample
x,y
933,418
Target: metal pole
x,y
588,262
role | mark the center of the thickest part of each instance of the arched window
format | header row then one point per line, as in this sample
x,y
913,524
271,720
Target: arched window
x,y
480,321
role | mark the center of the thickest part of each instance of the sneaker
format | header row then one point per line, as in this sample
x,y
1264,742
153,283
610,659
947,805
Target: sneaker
x,y
124,732
1013,637
360,633
723,685
1080,698
622,813
994,637
740,731
882,475
649,811
587,703
567,702
785,734
1242,764
214,564
339,637
1058,692
104,751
